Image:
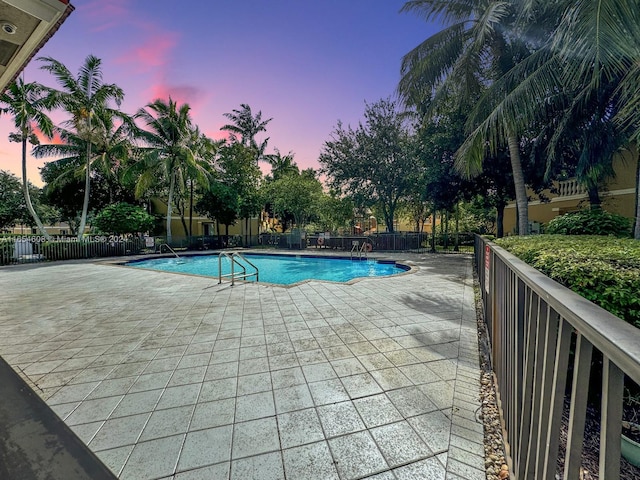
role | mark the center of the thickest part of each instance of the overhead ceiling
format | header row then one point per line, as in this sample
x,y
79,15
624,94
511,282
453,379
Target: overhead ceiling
x,y
25,26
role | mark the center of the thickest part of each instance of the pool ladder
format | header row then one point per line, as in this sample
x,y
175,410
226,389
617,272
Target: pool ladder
x,y
234,258
360,250
171,250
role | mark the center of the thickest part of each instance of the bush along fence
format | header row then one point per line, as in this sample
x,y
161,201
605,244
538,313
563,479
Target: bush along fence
x,y
33,248
543,339
404,241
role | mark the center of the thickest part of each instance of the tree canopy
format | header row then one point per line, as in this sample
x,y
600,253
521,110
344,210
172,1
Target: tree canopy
x,y
374,162
296,195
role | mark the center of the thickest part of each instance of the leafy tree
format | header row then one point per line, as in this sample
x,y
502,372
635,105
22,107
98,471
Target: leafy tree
x,y
240,172
246,126
84,97
167,157
233,194
478,216
64,190
204,150
590,45
373,162
297,195
280,164
440,138
26,103
457,63
334,212
11,199
496,188
122,218
220,202
416,208
13,207
111,155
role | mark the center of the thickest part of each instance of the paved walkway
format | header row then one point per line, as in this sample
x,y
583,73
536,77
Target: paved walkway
x,y
170,376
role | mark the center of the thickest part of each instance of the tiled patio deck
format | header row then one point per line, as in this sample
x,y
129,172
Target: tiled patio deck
x,y
170,376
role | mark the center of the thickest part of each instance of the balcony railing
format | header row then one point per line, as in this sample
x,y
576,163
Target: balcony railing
x,y
570,187
540,331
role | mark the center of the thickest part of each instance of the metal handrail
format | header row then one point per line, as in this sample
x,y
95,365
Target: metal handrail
x,y
170,249
355,247
531,321
360,249
233,258
364,248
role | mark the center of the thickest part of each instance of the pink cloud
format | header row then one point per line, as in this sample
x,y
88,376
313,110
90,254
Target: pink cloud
x,y
151,54
56,140
218,134
105,15
180,94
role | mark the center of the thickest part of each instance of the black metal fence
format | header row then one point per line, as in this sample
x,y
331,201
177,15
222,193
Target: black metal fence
x,y
402,241
539,331
33,248
212,242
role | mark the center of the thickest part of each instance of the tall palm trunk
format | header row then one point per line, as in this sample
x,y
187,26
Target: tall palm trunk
x,y
87,185
520,187
500,219
169,204
190,210
25,188
636,230
594,196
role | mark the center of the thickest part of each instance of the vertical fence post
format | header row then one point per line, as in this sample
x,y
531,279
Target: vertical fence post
x,y
611,419
578,411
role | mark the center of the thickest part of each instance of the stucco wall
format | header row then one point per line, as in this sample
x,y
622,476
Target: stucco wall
x,y
618,196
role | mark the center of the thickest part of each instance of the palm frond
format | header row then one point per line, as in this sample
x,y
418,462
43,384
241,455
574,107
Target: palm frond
x,y
426,66
598,39
448,11
628,116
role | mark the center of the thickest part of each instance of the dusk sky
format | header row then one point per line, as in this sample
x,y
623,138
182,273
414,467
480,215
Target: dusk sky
x,y
305,64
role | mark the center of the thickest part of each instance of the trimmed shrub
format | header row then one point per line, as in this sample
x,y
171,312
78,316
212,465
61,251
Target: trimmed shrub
x,y
604,270
590,222
122,218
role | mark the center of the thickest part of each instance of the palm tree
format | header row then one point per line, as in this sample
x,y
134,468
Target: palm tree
x,y
247,126
458,62
83,97
168,156
26,103
593,46
110,152
204,150
281,165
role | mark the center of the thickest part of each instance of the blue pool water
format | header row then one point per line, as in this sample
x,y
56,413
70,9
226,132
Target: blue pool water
x,y
281,269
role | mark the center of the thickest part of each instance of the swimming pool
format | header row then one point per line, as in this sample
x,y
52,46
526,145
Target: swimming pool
x,y
279,269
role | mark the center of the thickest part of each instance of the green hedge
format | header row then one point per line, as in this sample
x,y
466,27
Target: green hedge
x,y
590,222
604,270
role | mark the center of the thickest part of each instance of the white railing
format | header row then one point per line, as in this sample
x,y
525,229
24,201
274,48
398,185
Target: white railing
x,y
234,258
169,248
567,188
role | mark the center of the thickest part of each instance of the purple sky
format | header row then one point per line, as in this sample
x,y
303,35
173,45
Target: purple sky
x,y
306,64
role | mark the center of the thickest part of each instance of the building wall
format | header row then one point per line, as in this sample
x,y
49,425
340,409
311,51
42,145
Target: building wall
x,y
203,225
618,196
55,229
